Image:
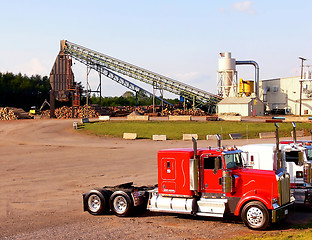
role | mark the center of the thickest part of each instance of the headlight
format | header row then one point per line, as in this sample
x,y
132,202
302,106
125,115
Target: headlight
x,y
274,200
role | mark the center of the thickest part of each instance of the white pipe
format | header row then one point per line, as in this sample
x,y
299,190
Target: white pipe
x,y
250,62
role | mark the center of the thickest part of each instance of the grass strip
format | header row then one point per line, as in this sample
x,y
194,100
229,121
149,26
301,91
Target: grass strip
x,y
175,129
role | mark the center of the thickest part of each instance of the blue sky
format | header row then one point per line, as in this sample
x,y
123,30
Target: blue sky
x,y
176,38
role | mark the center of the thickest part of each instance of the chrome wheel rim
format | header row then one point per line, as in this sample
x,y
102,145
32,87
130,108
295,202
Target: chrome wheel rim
x,y
94,203
255,216
120,204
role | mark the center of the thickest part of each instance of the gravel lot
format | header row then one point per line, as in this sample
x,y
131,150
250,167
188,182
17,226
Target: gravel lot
x,y
46,166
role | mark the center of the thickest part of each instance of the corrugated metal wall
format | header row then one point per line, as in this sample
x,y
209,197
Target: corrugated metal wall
x,y
62,77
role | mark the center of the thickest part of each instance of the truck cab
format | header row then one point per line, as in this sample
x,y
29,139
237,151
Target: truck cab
x,y
214,183
294,158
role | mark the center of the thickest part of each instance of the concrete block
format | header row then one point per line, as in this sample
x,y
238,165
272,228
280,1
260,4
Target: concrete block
x,y
267,135
85,120
212,118
211,137
180,118
130,136
188,137
159,137
231,118
296,119
104,118
298,133
235,135
138,118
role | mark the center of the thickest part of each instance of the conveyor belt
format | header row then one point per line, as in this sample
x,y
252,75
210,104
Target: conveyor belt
x,y
101,61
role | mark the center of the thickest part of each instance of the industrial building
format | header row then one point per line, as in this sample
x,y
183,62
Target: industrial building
x,y
238,97
245,106
282,95
291,95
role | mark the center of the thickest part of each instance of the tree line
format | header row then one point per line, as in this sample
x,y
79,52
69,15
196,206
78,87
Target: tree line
x,y
21,91
128,99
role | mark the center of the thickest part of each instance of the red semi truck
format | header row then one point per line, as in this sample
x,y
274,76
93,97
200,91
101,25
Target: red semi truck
x,y
202,182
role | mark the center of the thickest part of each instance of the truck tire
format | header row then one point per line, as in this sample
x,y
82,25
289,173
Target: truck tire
x,y
97,203
121,203
255,215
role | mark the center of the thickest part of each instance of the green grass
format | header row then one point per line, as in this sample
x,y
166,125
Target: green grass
x,y
299,231
301,234
287,235
175,130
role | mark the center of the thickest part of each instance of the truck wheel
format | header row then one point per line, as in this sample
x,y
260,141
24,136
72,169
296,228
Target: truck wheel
x,y
255,216
96,203
121,204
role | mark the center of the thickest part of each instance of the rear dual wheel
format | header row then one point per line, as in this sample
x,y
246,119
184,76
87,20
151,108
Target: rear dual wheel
x,y
121,203
97,202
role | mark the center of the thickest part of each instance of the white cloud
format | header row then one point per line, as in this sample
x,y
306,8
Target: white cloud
x,y
33,67
245,6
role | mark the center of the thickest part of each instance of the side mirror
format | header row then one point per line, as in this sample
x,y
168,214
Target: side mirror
x,y
216,165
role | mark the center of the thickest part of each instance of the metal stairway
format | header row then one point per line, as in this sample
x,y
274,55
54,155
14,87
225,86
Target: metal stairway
x,y
101,63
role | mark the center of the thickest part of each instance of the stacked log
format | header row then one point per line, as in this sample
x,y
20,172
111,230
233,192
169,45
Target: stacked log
x,y
120,111
72,112
7,114
148,110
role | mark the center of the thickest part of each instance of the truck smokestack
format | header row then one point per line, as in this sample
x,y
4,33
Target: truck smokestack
x,y
194,147
219,140
194,169
294,132
277,147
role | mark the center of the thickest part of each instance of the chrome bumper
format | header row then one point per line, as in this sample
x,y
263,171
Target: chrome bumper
x,y
281,212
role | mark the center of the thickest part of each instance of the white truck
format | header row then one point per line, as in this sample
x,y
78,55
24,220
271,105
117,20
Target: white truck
x,y
294,157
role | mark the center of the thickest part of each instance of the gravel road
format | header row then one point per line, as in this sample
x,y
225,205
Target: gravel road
x,y
46,166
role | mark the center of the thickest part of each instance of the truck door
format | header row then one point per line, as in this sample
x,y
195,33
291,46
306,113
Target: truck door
x,y
212,178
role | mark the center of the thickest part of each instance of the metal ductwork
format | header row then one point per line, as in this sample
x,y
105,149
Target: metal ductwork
x,y
250,62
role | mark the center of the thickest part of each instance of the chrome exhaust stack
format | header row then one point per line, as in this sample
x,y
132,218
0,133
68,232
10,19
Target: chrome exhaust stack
x,y
219,140
278,151
194,169
294,132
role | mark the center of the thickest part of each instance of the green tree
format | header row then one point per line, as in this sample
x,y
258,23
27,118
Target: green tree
x,y
22,91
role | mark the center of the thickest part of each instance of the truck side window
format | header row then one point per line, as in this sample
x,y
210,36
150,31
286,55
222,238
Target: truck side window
x,y
309,154
209,162
292,156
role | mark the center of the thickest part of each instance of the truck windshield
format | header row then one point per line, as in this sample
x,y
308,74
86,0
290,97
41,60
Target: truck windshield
x,y
309,154
233,160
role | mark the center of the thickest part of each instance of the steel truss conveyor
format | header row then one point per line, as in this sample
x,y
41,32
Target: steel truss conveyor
x,y
125,82
102,62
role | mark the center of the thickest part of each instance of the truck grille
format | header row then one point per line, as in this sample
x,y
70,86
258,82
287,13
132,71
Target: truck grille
x,y
284,189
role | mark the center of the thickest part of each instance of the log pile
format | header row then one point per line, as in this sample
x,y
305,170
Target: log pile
x,y
148,110
7,114
191,112
72,112
120,111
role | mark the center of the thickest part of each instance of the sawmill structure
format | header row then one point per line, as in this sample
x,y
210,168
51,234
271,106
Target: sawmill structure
x,y
64,85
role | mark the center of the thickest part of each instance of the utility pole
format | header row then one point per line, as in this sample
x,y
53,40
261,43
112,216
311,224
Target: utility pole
x,y
300,101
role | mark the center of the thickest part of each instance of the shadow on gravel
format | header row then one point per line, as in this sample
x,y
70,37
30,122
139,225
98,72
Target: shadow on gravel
x,y
299,218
